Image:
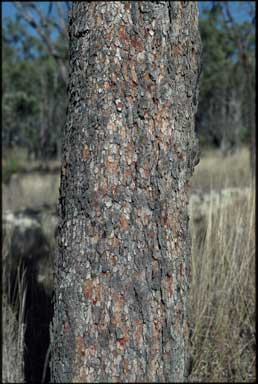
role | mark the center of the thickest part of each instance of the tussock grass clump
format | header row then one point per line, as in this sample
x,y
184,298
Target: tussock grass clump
x,y
16,161
223,292
217,171
13,161
13,321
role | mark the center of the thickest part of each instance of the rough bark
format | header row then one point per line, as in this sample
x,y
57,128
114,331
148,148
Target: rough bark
x,y
123,264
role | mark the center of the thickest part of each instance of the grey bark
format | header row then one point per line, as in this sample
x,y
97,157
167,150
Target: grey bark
x,y
122,268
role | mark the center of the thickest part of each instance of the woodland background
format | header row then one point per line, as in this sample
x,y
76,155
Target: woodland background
x,y
34,101
35,72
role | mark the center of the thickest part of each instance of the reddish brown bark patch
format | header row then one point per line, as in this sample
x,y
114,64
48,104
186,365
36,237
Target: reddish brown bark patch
x,y
112,166
80,346
123,36
124,222
169,285
138,326
127,6
125,366
137,44
88,289
85,152
92,290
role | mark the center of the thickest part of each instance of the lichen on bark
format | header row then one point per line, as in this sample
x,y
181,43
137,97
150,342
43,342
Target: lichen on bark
x,y
123,263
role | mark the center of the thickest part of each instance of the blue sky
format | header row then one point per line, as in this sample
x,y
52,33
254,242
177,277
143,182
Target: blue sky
x,y
238,9
8,9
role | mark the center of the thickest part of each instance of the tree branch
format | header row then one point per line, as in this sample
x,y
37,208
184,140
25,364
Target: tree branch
x,y
42,29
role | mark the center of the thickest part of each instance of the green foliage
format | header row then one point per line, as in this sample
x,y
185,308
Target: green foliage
x,y
217,51
10,166
14,161
223,113
33,95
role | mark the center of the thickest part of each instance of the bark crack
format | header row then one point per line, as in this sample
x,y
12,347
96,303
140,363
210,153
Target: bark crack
x,y
170,13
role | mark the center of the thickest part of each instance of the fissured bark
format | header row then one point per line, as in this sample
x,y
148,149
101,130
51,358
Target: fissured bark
x,y
123,262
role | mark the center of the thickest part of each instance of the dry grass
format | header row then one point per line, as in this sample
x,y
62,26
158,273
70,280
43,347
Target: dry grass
x,y
215,171
13,329
16,161
223,284
223,280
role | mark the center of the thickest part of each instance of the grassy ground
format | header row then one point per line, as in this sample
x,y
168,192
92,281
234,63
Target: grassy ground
x,y
223,275
222,296
215,172
16,161
13,322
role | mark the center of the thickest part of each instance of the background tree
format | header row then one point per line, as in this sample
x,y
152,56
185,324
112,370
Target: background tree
x,y
38,39
44,24
34,88
224,114
244,38
122,269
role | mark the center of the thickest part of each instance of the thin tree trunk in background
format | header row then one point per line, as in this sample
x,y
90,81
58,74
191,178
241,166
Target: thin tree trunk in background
x,y
252,122
249,71
250,91
123,264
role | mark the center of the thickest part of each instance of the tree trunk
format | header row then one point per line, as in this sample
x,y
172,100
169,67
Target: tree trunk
x,y
123,262
252,120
